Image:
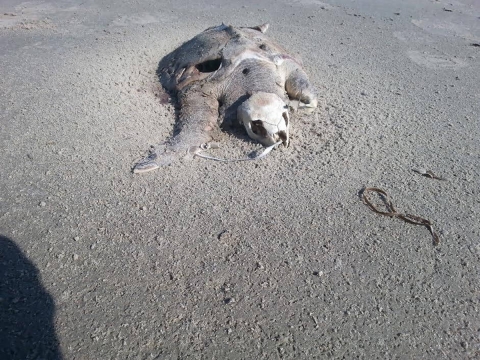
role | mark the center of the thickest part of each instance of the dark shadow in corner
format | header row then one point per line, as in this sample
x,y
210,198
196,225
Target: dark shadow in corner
x,y
26,309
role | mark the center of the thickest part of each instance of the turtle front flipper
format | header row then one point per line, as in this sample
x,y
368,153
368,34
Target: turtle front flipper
x,y
197,121
198,118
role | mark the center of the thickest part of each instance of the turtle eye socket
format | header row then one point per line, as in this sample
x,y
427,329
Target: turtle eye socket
x,y
209,65
258,129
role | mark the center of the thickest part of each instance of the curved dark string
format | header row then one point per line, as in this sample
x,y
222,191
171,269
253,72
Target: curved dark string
x,y
411,219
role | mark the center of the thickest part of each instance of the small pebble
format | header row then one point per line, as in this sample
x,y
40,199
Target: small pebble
x,y
229,300
76,238
364,93
223,234
93,246
75,257
42,204
144,208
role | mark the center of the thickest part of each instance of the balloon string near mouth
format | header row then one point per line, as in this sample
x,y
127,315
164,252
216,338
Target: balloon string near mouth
x,y
203,147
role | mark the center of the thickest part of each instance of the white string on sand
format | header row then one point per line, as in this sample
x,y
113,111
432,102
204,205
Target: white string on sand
x,y
208,157
150,163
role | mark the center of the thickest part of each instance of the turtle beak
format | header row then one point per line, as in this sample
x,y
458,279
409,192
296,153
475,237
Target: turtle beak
x,y
283,136
284,133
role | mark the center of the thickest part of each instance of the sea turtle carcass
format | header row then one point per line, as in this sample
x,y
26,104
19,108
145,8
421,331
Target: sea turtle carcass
x,y
229,74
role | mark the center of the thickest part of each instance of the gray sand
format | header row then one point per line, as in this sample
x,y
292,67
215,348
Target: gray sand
x,y
271,259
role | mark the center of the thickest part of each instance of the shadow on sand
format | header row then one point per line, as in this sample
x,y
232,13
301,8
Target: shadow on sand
x,y
26,309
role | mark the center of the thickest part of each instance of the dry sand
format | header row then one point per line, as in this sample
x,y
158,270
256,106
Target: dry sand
x,y
271,259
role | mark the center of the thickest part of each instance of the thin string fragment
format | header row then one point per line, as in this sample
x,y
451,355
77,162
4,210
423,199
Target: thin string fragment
x,y
203,147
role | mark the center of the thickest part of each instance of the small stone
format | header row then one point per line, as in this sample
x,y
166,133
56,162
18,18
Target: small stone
x,y
42,204
229,300
76,238
93,246
223,234
144,208
75,257
229,331
364,93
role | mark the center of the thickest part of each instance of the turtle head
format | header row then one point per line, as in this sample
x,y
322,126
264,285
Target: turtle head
x,y
265,117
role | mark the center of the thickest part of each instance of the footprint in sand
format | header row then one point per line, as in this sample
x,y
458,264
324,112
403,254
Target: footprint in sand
x,y
431,29
38,15
432,61
142,19
446,28
321,4
13,21
413,37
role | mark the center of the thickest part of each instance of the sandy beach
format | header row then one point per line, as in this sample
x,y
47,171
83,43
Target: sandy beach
x,y
271,259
